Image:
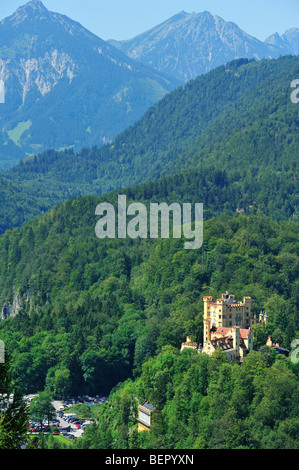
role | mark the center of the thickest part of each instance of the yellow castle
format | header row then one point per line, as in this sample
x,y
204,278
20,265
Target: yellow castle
x,y
227,326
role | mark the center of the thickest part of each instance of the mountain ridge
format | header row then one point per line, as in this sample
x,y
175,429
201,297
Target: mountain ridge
x,y
288,41
190,44
220,120
48,59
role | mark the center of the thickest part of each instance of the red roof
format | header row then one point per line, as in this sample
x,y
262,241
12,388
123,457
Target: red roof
x,y
244,333
224,331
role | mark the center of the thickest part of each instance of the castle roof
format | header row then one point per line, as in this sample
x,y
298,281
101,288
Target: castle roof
x,y
223,343
244,333
228,330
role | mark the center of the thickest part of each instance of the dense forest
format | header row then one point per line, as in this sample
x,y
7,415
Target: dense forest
x,y
238,119
95,310
108,316
204,402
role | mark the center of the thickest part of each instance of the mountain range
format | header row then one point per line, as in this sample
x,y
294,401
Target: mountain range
x,y
237,119
190,44
82,314
66,87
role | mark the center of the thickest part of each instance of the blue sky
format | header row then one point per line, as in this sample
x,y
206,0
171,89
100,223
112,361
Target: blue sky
x,y
123,19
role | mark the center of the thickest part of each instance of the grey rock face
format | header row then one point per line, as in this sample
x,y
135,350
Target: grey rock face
x,y
191,44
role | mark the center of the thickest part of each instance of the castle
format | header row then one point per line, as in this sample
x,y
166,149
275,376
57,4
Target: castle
x,y
227,326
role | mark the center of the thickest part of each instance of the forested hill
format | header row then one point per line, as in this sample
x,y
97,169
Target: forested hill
x,y
94,310
237,118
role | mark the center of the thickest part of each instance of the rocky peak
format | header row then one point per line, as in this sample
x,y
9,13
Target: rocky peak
x,y
288,42
30,9
35,5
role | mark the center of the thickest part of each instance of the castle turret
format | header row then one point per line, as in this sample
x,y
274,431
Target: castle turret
x,y
236,339
266,319
207,330
207,300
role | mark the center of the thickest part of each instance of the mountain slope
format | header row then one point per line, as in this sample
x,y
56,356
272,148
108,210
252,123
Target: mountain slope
x,y
190,44
100,308
64,86
238,119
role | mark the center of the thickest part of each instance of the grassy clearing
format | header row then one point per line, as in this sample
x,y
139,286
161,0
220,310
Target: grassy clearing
x,y
84,411
62,441
16,133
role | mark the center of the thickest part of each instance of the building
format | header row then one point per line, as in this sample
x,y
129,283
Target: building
x,y
277,348
227,327
263,318
235,342
227,311
145,416
188,344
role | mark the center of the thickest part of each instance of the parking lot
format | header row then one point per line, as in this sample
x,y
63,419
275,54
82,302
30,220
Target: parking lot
x,y
68,424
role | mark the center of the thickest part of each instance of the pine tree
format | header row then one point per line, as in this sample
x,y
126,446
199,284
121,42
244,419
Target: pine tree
x,y
13,412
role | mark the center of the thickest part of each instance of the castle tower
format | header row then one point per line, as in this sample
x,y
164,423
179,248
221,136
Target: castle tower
x,y
207,300
227,311
236,339
206,330
261,317
266,319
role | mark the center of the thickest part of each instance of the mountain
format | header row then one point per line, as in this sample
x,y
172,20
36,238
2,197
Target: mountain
x,y
237,119
289,41
64,86
191,44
